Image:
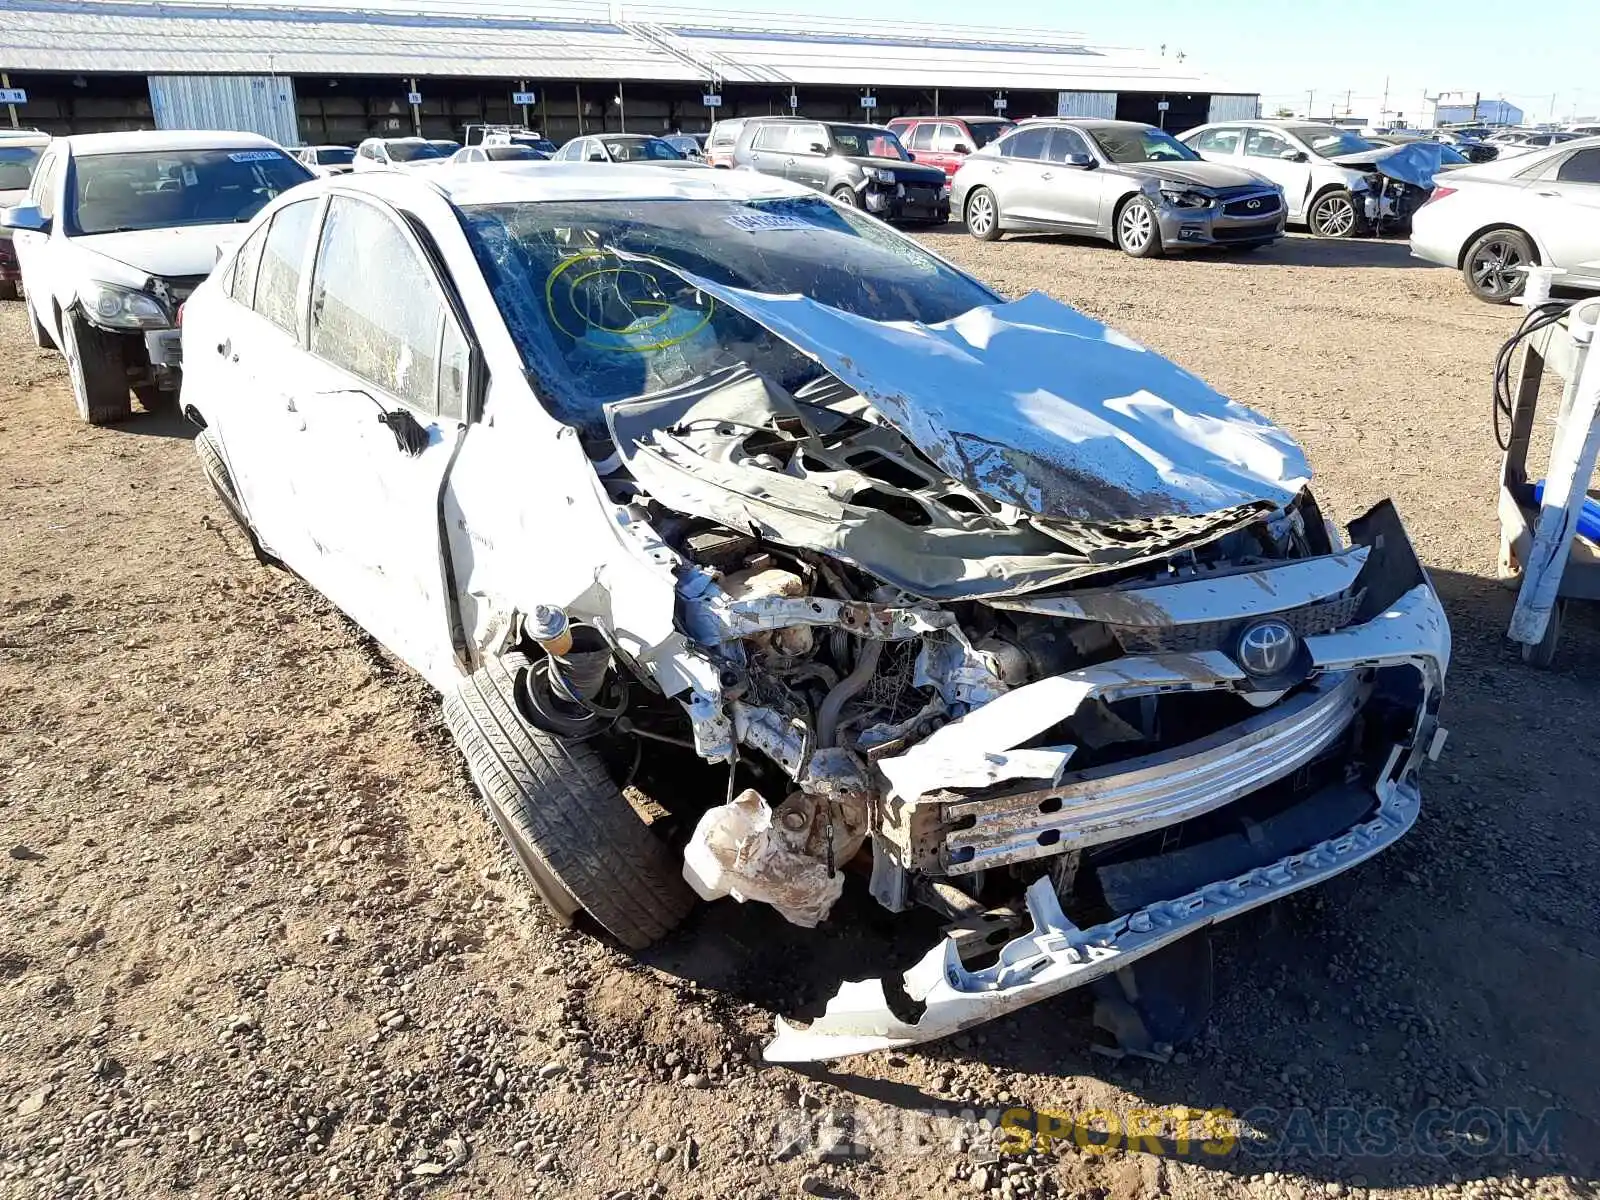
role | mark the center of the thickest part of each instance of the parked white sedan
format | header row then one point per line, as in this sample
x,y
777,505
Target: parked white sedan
x,y
1491,220
115,231
705,485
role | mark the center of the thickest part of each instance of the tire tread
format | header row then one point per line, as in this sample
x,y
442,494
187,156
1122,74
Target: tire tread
x,y
567,808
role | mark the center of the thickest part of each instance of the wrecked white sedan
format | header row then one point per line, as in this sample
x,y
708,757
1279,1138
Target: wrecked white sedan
x,y
969,603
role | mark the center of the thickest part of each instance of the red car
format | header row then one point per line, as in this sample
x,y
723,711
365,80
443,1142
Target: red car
x,y
946,141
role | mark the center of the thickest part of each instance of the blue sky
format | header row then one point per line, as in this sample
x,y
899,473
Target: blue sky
x,y
1527,52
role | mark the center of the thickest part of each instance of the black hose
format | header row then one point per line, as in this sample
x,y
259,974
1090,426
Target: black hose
x,y
1535,319
833,704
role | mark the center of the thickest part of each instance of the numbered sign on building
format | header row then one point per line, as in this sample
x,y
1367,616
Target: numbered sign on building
x,y
524,97
869,102
13,96
413,97
712,100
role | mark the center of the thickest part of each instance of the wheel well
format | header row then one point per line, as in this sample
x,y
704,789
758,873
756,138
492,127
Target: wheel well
x,y
1493,226
1116,213
1323,191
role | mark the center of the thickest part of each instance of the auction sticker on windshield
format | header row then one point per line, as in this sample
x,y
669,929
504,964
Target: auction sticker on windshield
x,y
253,155
756,222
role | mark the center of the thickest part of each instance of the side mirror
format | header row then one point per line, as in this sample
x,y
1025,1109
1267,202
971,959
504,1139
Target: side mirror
x,y
961,148
817,148
25,217
1082,161
595,156
1293,156
911,155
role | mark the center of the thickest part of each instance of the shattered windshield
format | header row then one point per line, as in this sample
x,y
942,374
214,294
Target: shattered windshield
x,y
596,322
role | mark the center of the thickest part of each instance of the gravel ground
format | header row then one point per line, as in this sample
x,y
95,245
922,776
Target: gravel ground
x,y
255,939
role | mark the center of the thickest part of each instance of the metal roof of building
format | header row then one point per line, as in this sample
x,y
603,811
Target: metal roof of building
x,y
564,39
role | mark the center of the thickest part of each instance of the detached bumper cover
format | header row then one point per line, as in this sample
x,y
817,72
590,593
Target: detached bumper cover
x,y
1056,956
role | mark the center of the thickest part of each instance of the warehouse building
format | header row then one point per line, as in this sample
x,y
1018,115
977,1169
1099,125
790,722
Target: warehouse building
x,y
325,74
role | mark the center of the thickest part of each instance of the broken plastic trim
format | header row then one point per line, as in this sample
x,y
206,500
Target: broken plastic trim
x,y
1056,956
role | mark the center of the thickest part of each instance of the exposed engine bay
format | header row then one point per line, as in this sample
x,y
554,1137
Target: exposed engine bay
x,y
952,698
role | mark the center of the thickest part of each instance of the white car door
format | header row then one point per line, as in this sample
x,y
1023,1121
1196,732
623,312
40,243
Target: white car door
x,y
1270,153
382,405
245,363
1564,207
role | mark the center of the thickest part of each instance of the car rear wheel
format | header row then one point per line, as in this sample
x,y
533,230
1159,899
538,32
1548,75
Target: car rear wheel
x,y
1138,233
10,290
982,216
1491,265
846,195
1333,215
563,816
99,378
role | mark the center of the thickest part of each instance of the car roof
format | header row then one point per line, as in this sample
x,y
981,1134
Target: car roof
x,y
1088,123
82,144
978,119
635,137
26,137
534,182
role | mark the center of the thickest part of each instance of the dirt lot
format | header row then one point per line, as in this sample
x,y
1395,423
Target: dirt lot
x,y
255,939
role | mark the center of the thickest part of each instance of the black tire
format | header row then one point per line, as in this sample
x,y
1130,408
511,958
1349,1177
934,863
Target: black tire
x,y
981,215
99,378
1543,652
41,336
9,290
221,481
1489,265
564,817
1334,215
1138,229
846,195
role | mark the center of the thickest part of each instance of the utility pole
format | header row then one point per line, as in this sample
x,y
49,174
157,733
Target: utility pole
x,y
5,82
1476,97
1310,99
1383,109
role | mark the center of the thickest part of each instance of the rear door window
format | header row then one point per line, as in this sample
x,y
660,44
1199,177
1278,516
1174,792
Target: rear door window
x,y
1066,142
246,265
949,137
283,257
920,135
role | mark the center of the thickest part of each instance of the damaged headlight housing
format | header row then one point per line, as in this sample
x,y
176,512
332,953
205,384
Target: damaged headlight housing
x,y
878,174
123,308
1182,195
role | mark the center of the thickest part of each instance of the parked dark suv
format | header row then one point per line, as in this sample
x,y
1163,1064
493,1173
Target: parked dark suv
x,y
945,142
861,165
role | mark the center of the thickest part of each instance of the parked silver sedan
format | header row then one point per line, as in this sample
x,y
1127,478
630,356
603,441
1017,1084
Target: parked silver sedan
x,y
1132,184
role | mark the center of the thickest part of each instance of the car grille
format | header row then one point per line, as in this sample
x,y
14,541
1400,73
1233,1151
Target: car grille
x,y
1266,205
1307,621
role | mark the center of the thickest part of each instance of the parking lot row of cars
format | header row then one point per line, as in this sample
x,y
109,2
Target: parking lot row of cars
x,y
106,284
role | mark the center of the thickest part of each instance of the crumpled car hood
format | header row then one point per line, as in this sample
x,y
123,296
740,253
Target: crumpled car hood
x,y
1038,406
1415,163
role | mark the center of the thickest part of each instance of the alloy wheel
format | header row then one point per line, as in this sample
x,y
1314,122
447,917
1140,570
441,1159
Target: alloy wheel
x,y
1135,227
980,214
1336,216
1495,268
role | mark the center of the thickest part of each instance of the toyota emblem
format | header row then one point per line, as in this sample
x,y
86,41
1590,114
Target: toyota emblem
x,y
1267,648
1252,204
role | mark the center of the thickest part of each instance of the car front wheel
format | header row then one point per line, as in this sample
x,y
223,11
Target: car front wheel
x,y
563,816
846,195
1138,233
1333,215
1492,265
99,378
982,216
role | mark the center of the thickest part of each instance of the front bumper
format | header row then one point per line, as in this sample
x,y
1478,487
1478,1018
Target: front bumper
x,y
1303,833
905,202
1215,226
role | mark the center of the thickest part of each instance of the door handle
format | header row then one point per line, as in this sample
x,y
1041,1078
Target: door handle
x,y
1547,193
224,347
1048,175
289,405
788,162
